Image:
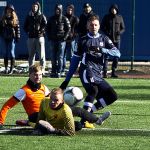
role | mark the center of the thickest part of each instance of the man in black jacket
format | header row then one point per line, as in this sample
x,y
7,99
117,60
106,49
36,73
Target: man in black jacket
x,y
87,13
113,26
34,26
71,42
58,29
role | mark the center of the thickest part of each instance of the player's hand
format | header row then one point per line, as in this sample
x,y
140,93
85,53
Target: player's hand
x,y
64,85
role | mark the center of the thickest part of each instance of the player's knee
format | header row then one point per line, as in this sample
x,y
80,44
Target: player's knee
x,y
78,125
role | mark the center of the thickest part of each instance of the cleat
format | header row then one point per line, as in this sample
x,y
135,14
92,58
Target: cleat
x,y
102,118
88,125
22,122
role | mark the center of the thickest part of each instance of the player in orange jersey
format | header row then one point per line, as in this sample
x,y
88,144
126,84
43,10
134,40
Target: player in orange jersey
x,y
30,95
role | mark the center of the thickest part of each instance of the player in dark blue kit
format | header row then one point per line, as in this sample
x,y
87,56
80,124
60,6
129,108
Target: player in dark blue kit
x,y
91,50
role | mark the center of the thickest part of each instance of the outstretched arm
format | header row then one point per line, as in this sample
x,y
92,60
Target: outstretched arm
x,y
8,105
73,66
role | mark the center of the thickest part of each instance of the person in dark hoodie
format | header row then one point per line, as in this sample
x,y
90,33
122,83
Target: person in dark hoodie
x,y
87,13
71,42
34,26
113,26
57,30
10,34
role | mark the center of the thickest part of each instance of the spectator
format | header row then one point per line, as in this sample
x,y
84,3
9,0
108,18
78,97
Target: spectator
x,y
10,34
113,26
34,26
58,29
87,12
71,42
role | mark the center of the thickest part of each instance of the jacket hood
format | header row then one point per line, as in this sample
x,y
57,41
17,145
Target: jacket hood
x,y
60,7
39,7
114,6
10,6
71,6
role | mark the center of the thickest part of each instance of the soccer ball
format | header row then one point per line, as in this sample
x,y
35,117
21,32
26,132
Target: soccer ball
x,y
73,95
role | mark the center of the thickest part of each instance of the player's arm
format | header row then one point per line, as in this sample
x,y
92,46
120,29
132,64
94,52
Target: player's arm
x,y
46,91
73,66
110,48
5,108
17,97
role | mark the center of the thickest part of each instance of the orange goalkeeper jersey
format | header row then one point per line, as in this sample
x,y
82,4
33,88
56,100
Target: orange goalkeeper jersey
x,y
31,100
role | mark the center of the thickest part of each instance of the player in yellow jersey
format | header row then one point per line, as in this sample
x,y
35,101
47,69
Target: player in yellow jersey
x,y
56,117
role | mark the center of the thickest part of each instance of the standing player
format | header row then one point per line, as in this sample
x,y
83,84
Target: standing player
x,y
91,49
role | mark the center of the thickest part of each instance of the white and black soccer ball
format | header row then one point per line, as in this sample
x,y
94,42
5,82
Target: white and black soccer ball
x,y
73,95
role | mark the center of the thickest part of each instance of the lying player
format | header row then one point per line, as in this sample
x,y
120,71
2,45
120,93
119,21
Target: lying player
x,y
56,117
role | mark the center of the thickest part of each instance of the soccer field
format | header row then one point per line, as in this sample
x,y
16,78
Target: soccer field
x,y
127,128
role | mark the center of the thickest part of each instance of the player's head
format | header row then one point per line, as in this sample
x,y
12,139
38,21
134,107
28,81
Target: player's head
x,y
93,24
35,73
56,98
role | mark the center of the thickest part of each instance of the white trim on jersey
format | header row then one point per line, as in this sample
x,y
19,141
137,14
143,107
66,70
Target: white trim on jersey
x,y
84,77
83,58
95,36
47,91
88,104
20,95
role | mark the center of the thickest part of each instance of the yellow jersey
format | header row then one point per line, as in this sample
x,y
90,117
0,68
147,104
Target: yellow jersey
x,y
61,119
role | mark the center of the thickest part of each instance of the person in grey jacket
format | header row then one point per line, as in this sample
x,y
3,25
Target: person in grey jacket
x,y
57,30
113,26
34,26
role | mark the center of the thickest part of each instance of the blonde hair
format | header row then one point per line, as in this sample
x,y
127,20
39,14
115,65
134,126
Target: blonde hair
x,y
35,68
14,21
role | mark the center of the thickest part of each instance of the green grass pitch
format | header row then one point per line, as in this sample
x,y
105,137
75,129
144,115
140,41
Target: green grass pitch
x,y
127,129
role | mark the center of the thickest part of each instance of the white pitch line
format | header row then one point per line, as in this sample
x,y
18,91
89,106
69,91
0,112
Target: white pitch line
x,y
132,101
109,129
15,129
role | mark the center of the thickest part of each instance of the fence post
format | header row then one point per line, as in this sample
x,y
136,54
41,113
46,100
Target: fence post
x,y
133,35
